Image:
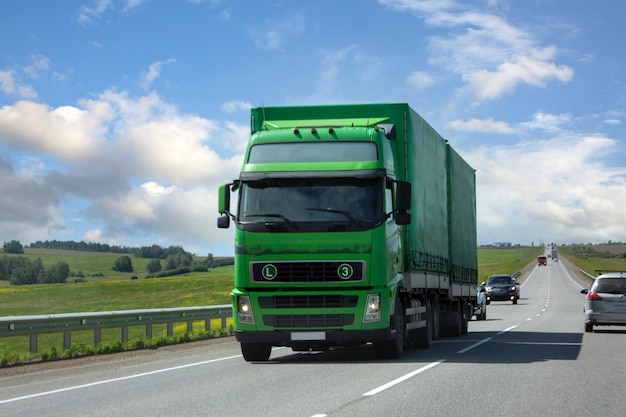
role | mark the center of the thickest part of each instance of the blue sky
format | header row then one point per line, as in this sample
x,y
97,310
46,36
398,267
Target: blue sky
x,y
120,118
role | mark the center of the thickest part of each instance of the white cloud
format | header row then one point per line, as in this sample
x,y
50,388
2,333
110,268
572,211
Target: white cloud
x,y
547,190
273,35
137,167
87,14
39,63
236,106
484,126
548,122
94,12
420,80
154,72
65,132
533,69
491,56
13,87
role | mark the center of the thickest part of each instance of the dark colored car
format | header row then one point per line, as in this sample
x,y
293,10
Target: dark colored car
x,y
542,260
606,301
502,287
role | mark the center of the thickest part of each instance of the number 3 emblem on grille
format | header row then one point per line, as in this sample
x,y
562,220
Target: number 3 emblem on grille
x,y
345,271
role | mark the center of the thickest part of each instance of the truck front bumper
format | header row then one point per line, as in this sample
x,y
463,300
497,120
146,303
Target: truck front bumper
x,y
314,338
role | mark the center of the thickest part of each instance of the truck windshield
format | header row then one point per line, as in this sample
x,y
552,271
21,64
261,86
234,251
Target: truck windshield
x,y
290,205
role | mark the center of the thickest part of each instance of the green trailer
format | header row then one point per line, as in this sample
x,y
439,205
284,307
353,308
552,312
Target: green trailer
x,y
354,224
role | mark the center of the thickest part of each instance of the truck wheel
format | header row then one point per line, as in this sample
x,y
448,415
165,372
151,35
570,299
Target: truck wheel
x,y
424,335
456,328
256,352
588,327
393,348
515,300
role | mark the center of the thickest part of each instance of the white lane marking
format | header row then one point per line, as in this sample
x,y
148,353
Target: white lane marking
x,y
507,329
108,381
403,378
467,349
570,277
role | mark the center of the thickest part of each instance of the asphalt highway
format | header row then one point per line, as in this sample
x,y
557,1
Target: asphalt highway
x,y
529,359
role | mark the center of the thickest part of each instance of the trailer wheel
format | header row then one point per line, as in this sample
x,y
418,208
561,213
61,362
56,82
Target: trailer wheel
x,y
456,315
393,348
465,317
436,317
424,335
256,352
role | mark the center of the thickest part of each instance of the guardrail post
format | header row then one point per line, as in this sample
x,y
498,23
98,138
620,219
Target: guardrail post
x,y
32,344
67,340
189,326
170,329
97,336
124,334
149,331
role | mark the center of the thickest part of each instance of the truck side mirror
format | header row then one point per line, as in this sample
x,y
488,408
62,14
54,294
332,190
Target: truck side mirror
x,y
403,202
223,206
223,199
402,218
403,196
223,222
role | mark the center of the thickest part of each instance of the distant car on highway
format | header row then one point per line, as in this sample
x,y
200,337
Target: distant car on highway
x,y
606,301
542,260
480,310
502,287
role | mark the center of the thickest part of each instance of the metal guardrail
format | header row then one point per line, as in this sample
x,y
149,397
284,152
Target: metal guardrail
x,y
593,277
33,326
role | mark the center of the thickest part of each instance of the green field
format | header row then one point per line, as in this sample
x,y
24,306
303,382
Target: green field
x,y
596,259
505,260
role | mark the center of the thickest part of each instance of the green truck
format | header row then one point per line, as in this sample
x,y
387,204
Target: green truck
x,y
355,224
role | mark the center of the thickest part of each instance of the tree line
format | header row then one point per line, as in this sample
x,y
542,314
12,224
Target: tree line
x,y
19,270
153,251
176,261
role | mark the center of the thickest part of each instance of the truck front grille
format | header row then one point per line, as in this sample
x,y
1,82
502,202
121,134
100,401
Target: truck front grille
x,y
308,320
308,301
307,271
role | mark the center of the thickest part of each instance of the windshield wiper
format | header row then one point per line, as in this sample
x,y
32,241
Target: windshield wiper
x,y
342,212
280,216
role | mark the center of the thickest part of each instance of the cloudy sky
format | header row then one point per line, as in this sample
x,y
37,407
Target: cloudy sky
x,y
120,118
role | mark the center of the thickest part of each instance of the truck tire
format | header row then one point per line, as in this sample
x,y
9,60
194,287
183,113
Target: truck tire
x,y
424,335
455,329
256,352
393,348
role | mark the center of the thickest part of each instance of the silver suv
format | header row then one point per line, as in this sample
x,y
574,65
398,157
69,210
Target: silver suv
x,y
606,301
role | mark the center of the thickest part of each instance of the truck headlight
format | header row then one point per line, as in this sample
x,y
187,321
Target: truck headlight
x,y
372,308
244,310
